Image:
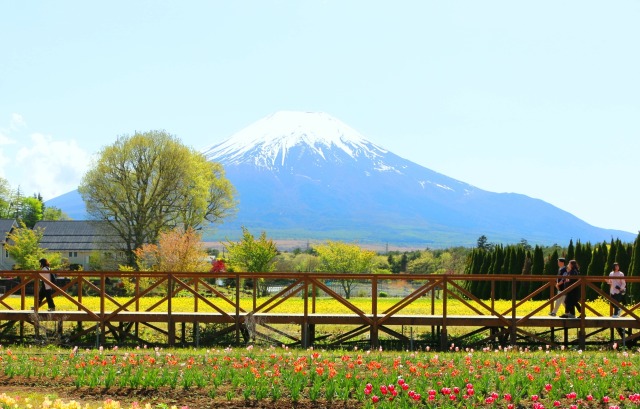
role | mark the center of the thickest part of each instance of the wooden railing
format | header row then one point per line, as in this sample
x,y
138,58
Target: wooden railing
x,y
246,315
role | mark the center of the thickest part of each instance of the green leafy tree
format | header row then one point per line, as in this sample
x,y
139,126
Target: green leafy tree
x,y
483,243
150,182
343,258
23,245
31,211
53,213
252,256
427,263
5,199
13,205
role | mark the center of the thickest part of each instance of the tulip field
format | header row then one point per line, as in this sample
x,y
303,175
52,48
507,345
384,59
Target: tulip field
x,y
282,377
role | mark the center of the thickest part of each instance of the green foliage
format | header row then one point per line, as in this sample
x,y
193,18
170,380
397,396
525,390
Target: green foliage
x,y
634,271
53,213
253,256
31,211
23,246
14,205
150,182
596,267
430,262
340,257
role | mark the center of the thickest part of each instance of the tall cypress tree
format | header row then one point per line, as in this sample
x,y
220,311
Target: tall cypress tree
x,y
496,268
484,287
622,256
507,268
537,268
551,265
605,254
583,256
525,287
570,251
515,267
611,257
595,269
633,291
475,267
550,268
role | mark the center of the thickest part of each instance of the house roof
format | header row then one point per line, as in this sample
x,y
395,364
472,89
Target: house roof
x,y
78,235
7,224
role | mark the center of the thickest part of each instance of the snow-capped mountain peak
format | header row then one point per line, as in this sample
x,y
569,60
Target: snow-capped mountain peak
x,y
268,141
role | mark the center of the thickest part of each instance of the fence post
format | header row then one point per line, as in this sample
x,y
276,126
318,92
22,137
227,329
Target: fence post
x,y
513,312
374,311
171,325
304,328
583,312
445,295
237,308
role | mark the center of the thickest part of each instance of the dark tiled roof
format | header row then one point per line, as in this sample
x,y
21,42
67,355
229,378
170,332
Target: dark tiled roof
x,y
77,235
6,225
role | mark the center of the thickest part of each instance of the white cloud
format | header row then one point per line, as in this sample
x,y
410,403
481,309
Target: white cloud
x,y
17,122
6,141
50,167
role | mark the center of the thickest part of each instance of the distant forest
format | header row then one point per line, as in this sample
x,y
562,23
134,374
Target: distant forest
x,y
488,258
593,260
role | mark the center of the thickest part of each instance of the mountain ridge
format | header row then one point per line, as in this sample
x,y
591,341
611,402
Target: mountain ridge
x,y
310,176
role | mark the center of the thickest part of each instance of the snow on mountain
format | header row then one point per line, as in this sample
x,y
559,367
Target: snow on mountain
x,y
304,175
267,142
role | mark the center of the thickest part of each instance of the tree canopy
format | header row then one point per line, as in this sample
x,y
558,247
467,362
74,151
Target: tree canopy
x,y
23,245
340,257
150,182
251,255
177,250
14,205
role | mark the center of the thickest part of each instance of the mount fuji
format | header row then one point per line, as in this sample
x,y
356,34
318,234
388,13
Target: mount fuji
x,y
309,176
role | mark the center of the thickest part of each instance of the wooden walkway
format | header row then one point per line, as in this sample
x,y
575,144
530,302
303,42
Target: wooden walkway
x,y
246,317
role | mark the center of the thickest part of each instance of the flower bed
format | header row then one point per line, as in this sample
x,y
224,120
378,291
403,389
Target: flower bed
x,y
284,377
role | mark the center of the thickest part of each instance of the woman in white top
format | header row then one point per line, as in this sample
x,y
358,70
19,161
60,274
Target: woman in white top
x,y
46,291
617,288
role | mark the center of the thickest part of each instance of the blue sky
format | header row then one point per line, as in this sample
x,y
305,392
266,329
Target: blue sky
x,y
539,98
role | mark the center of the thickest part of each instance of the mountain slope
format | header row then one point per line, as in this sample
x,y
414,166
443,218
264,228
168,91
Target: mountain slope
x,y
311,173
303,175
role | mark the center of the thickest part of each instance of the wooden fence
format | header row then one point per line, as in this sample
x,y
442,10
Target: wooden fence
x,y
161,307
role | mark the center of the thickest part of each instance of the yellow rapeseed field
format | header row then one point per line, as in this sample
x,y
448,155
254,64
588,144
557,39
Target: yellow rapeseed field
x,y
321,305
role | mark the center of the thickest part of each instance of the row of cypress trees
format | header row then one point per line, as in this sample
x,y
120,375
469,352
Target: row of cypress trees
x,y
594,260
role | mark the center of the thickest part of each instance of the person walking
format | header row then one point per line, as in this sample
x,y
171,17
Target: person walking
x,y
573,296
46,292
562,272
617,288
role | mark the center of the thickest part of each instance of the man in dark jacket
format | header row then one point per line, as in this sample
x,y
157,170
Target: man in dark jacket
x,y
562,272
